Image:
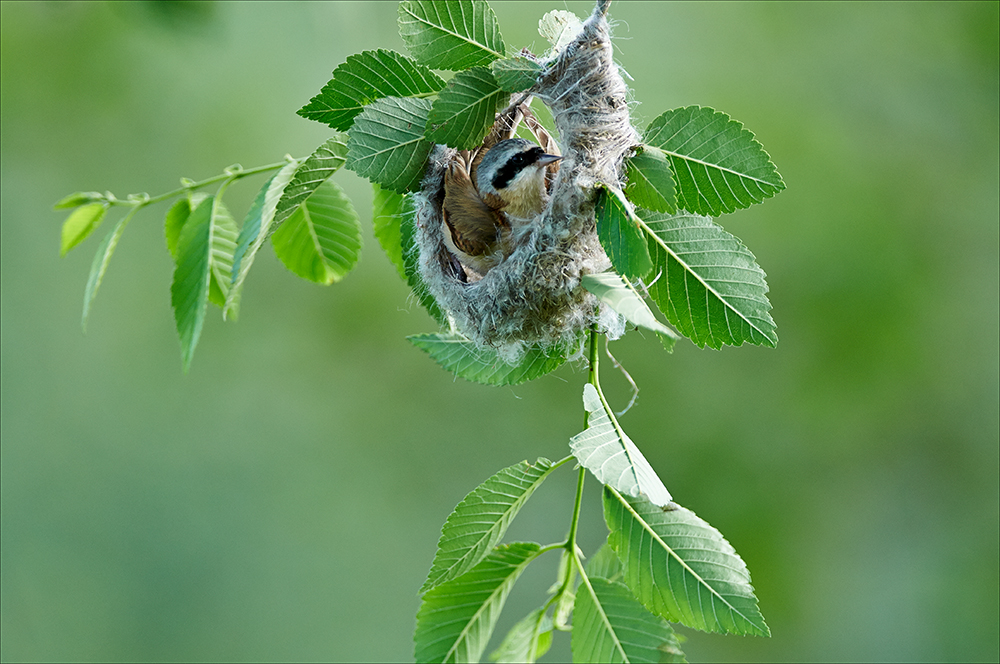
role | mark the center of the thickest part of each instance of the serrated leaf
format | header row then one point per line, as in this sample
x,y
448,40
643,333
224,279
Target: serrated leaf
x,y
387,143
709,286
680,567
411,259
650,183
362,79
610,625
465,109
224,235
310,174
77,199
604,564
456,619
607,452
461,357
100,263
255,230
620,296
481,519
450,34
174,220
321,240
516,74
717,164
620,236
387,215
192,275
559,28
80,224
526,641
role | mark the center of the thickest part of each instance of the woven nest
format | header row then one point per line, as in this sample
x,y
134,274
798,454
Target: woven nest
x,y
534,297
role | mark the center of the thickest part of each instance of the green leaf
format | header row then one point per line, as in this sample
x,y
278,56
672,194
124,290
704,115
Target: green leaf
x,y
465,109
559,28
717,164
411,258
309,175
516,74
620,236
620,296
362,79
255,230
100,264
481,519
610,625
456,619
604,564
709,286
460,356
80,224
607,452
77,199
387,214
190,287
450,34
650,184
224,235
176,216
526,641
321,241
387,143
680,567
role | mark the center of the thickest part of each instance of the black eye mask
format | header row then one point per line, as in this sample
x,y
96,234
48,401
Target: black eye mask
x,y
515,165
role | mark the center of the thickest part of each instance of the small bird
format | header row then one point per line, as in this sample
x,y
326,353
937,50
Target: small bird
x,y
509,191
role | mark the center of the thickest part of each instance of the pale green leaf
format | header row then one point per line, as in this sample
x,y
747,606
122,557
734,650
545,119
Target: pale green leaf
x,y
450,34
607,452
526,641
707,283
255,230
650,183
456,619
387,143
310,174
481,519
610,625
516,74
465,109
362,79
100,263
620,236
620,296
224,236
680,567
80,224
463,358
604,564
717,164
411,259
190,287
387,215
321,240
77,199
559,28
176,216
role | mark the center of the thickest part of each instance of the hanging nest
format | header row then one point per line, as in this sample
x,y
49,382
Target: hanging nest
x,y
534,296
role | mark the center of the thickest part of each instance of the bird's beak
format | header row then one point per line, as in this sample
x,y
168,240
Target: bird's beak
x,y
547,159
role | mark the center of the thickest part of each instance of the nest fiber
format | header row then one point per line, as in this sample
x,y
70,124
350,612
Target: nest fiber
x,y
534,296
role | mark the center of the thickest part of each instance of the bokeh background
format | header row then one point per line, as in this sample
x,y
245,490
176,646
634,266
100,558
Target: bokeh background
x,y
283,500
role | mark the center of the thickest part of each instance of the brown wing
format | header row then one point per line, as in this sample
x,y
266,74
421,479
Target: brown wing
x,y
473,224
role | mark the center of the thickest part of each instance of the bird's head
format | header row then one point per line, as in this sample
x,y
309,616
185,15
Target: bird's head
x,y
514,170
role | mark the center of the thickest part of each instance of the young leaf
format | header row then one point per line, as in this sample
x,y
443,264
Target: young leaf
x,y
321,240
481,519
176,216
463,358
387,143
620,236
387,214
100,264
224,235
80,224
465,109
559,28
309,175
718,166
255,229
456,619
620,296
362,79
610,625
450,34
77,199
650,184
605,450
526,641
680,567
710,286
411,258
516,74
190,287
604,564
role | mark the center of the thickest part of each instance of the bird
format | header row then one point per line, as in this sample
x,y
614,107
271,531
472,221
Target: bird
x,y
480,219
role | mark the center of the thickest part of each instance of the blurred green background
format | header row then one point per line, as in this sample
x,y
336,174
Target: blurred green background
x,y
283,500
